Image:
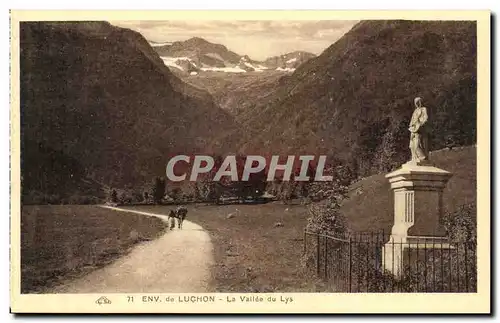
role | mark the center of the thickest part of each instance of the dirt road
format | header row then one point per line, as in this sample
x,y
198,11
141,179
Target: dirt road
x,y
179,261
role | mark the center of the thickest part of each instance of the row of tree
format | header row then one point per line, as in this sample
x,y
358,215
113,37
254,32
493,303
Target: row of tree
x,y
156,195
206,189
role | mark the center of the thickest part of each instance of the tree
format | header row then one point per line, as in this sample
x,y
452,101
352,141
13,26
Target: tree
x,y
175,193
256,184
386,153
324,215
272,187
125,198
196,192
158,190
254,187
206,188
137,196
370,139
286,191
114,196
303,187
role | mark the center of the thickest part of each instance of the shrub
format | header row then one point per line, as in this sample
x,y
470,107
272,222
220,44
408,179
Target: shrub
x,y
175,193
137,197
460,263
461,225
324,215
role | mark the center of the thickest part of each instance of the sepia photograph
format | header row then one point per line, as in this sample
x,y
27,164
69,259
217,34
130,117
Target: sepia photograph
x,y
184,159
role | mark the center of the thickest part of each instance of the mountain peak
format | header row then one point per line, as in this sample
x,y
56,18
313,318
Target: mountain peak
x,y
197,40
206,56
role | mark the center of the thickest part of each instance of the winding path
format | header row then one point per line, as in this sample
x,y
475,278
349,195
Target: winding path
x,y
177,262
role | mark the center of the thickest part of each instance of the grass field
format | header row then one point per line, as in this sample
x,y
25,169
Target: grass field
x,y
61,242
252,253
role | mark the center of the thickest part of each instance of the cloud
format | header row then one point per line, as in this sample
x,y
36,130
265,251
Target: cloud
x,y
257,38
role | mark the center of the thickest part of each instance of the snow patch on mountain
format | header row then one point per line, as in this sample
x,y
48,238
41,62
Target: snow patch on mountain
x,y
259,68
224,69
178,62
286,69
160,44
291,60
171,62
188,65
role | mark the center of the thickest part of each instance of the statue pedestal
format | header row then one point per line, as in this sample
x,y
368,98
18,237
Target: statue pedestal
x,y
418,208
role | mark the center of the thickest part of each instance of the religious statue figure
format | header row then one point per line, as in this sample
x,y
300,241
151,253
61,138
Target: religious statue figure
x,y
419,145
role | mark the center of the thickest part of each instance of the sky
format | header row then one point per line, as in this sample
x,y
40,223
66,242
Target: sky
x,y
257,39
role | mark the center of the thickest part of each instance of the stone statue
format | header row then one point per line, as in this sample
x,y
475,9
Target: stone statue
x,y
419,145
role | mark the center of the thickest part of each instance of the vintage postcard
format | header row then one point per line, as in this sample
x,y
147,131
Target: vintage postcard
x,y
250,162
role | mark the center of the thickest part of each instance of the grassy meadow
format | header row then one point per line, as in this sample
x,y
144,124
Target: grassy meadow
x,y
62,242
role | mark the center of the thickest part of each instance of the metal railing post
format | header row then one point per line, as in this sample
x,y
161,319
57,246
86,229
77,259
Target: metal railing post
x,y
350,265
326,258
305,241
317,254
466,269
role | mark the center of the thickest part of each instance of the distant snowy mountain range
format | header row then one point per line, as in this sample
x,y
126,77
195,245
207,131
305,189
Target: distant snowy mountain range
x,y
196,55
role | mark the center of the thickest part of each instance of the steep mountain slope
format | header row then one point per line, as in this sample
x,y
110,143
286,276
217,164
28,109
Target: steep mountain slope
x,y
354,101
99,106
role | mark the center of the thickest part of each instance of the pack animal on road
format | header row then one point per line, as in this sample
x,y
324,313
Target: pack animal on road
x,y
180,214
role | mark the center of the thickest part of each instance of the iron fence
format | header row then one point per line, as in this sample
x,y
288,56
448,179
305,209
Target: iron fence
x,y
373,262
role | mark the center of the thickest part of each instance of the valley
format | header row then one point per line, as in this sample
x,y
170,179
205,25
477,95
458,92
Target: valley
x,y
341,103
104,109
